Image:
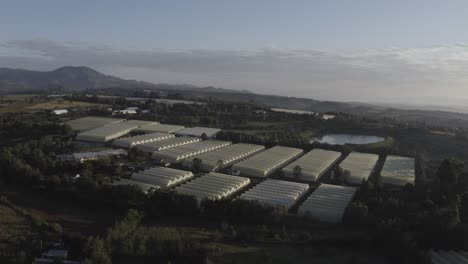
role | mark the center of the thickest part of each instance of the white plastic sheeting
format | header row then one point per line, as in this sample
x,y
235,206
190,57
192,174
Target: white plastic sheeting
x,y
107,133
198,132
213,186
162,128
188,151
167,144
91,122
360,165
129,142
162,177
224,157
266,162
328,203
313,165
276,193
448,257
398,171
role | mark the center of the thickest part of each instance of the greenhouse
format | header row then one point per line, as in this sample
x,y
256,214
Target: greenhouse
x,y
198,132
276,193
266,162
107,133
129,142
448,257
398,171
328,203
142,123
166,144
91,122
142,186
188,151
162,177
224,157
312,166
360,165
213,186
162,128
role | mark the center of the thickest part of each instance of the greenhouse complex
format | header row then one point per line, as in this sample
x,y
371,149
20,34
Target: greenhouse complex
x,y
266,162
129,142
177,154
448,257
398,171
166,144
162,177
213,186
198,132
328,203
276,193
312,165
360,166
107,133
162,128
218,159
91,122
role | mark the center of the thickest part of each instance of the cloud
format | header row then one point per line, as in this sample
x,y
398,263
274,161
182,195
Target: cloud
x,y
393,74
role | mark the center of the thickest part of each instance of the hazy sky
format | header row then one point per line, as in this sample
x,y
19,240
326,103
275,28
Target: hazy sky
x,y
394,50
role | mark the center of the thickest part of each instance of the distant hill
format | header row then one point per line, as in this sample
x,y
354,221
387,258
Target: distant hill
x,y
80,78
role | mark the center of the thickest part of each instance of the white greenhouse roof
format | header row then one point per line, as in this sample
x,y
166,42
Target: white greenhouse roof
x,y
162,177
448,257
198,132
398,171
313,165
266,162
328,203
91,122
360,165
213,186
177,154
129,142
167,144
107,133
163,128
142,123
276,193
221,158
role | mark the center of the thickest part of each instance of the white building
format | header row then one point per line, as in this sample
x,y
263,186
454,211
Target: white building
x,y
59,112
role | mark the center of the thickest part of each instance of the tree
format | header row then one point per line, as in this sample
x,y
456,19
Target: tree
x,y
197,165
297,172
204,136
96,252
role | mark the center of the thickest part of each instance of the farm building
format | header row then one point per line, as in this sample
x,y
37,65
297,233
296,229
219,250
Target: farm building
x,y
266,162
213,186
129,142
328,203
162,177
59,112
180,153
83,156
312,166
398,171
360,166
198,132
91,122
448,257
162,128
224,157
276,193
106,133
167,144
